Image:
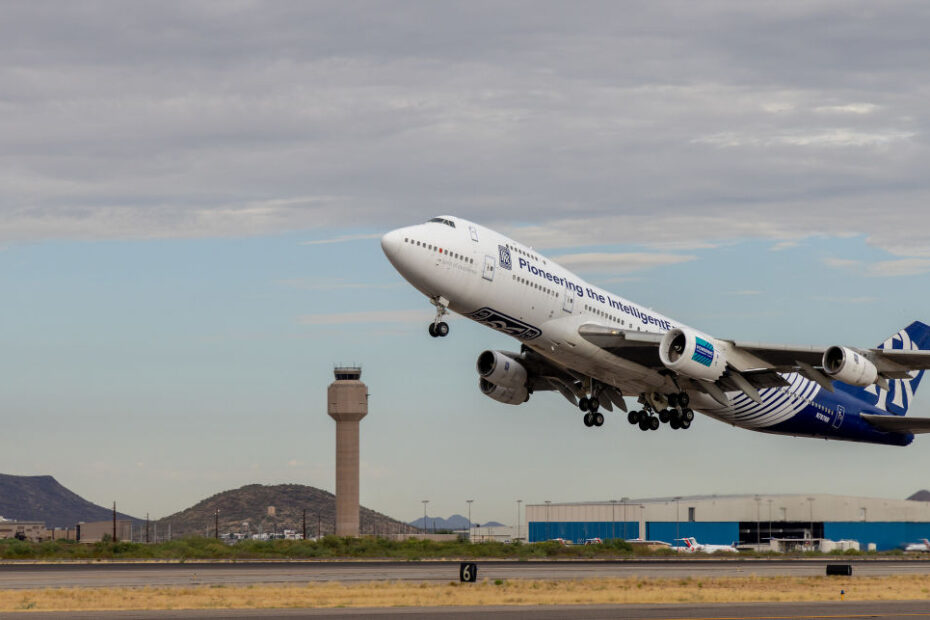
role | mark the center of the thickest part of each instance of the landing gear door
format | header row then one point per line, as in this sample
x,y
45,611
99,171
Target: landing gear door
x,y
568,305
488,268
838,416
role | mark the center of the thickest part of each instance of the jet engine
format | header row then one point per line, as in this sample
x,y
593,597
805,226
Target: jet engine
x,y
501,369
506,395
503,378
692,355
848,366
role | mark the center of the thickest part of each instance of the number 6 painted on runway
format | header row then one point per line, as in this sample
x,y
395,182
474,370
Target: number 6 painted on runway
x,y
468,572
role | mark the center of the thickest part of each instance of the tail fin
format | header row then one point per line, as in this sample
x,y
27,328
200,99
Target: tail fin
x,y
897,399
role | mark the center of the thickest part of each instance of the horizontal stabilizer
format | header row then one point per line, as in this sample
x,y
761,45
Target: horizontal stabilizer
x,y
897,423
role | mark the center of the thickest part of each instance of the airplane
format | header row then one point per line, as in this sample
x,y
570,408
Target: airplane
x,y
596,348
923,545
693,546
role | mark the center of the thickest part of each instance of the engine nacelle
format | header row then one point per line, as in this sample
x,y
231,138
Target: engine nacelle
x,y
502,370
848,366
689,354
506,395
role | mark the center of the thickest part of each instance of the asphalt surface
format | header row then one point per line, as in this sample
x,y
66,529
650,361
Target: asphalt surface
x,y
887,610
22,576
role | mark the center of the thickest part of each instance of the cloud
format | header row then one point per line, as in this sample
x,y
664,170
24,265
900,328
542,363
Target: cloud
x,y
204,121
310,284
902,267
605,262
341,239
369,316
881,269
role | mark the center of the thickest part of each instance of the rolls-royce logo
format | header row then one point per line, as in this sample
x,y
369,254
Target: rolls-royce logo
x,y
504,252
503,323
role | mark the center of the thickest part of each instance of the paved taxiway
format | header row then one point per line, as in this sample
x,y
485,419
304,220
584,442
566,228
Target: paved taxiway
x,y
886,610
20,576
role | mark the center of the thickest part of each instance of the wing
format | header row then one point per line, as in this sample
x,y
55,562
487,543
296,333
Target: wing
x,y
752,366
897,424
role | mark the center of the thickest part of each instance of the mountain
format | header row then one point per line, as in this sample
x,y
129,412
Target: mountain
x,y
259,508
922,495
42,498
455,522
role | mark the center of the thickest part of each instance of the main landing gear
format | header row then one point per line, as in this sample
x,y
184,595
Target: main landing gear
x,y
590,406
439,328
677,416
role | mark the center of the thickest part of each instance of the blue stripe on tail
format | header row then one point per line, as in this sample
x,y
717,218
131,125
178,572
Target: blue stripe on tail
x,y
915,336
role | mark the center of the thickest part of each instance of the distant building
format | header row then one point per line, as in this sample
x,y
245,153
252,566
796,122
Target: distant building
x,y
740,519
24,530
96,531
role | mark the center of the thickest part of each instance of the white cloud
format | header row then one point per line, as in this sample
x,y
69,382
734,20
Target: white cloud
x,y
341,239
901,267
368,316
849,108
624,262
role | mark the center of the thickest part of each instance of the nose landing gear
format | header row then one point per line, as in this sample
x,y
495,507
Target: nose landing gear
x,y
439,328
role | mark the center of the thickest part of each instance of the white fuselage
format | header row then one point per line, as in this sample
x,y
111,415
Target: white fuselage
x,y
490,278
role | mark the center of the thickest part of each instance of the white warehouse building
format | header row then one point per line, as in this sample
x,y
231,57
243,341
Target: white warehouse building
x,y
740,519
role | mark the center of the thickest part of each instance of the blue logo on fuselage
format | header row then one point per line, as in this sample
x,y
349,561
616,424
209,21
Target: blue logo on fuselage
x,y
504,252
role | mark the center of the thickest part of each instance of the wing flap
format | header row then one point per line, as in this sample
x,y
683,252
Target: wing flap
x,y
897,424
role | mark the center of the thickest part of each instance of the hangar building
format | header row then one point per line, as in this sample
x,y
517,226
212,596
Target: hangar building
x,y
740,519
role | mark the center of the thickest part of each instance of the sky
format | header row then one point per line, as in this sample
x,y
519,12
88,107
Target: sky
x,y
192,193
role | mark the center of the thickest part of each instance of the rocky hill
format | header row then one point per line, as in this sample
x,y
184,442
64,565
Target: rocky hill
x,y
259,508
922,495
42,498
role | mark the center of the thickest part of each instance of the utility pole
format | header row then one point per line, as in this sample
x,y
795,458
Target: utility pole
x,y
319,525
114,521
305,524
216,523
519,501
469,501
146,527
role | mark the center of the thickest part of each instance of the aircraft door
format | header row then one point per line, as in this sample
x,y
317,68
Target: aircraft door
x,y
488,268
838,416
474,233
568,305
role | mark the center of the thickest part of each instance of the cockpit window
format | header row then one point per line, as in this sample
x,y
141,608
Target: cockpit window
x,y
443,220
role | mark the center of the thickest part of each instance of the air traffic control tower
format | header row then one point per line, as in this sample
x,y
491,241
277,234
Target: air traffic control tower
x,y
347,400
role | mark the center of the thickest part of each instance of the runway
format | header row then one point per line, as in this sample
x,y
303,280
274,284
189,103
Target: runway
x,y
23,576
890,610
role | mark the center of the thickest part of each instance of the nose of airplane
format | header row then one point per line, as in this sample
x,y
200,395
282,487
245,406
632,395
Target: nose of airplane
x,y
390,243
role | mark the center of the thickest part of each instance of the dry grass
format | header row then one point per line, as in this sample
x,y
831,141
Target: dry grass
x,y
516,592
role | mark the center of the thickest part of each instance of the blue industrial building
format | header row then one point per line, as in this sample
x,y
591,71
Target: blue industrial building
x,y
749,520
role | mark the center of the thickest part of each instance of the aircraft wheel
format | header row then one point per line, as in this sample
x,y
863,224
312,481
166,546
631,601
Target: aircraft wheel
x,y
644,424
684,399
593,405
673,401
686,423
588,420
598,419
442,329
432,330
687,414
583,404
663,416
632,417
654,423
674,424
643,415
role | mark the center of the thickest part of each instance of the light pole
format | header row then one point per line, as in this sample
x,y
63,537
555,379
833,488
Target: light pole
x,y
519,501
624,500
613,519
425,502
677,518
469,501
758,533
770,520
811,500
548,536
